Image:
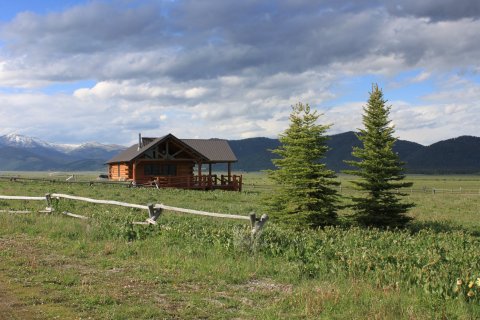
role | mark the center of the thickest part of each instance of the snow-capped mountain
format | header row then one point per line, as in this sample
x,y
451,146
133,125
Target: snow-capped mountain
x,y
19,152
66,148
107,147
18,140
95,150
21,141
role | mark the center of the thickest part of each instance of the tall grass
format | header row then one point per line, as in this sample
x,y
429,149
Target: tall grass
x,y
197,267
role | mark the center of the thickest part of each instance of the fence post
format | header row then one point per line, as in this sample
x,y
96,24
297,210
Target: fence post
x,y
154,213
258,225
253,219
48,198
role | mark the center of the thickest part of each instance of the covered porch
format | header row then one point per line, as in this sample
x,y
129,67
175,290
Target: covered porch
x,y
183,175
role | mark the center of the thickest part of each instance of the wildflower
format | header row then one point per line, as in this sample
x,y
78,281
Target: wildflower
x,y
459,282
478,282
470,284
470,293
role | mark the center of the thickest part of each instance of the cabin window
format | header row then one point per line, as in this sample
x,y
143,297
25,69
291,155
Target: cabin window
x,y
160,170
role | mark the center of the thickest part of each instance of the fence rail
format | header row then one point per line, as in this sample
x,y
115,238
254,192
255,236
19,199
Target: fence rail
x,y
154,210
431,190
256,186
21,198
68,180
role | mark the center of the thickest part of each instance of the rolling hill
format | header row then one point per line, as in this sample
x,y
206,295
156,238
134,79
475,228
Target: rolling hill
x,y
453,156
458,155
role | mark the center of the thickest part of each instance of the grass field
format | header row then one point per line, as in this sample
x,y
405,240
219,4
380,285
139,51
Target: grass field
x,y
190,267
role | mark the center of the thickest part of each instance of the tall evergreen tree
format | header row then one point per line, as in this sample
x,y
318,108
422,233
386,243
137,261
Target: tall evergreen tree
x,y
305,195
379,168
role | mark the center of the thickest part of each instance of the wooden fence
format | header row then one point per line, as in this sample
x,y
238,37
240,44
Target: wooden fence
x,y
347,189
154,210
69,180
259,187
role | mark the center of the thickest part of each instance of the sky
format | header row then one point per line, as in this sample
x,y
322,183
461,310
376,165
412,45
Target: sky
x,y
77,71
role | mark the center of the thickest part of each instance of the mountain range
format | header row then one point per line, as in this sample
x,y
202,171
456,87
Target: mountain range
x,y
458,155
22,153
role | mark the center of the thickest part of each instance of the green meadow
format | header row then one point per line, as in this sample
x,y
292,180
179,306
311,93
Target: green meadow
x,y
192,267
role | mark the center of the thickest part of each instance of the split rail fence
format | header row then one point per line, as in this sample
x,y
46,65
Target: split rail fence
x,y
154,210
348,189
254,186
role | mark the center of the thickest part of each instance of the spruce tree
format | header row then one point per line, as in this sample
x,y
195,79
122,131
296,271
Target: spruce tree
x,y
379,168
305,195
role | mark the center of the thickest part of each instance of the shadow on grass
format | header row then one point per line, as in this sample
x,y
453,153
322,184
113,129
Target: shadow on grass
x,y
441,227
417,226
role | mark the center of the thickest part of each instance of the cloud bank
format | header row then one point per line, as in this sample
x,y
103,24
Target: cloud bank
x,y
232,69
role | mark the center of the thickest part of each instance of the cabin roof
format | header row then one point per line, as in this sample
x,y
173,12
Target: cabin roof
x,y
211,150
215,150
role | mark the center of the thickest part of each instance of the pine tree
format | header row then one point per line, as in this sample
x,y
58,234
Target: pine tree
x,y
379,168
305,195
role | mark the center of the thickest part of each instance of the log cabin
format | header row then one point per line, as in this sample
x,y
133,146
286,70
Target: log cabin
x,y
177,163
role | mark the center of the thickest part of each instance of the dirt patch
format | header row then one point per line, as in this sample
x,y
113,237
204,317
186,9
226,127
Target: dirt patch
x,y
19,297
10,306
267,285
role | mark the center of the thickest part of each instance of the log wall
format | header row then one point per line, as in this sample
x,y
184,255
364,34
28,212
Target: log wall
x,y
119,172
183,169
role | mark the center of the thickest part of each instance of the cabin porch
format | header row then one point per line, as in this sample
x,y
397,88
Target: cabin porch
x,y
178,174
202,182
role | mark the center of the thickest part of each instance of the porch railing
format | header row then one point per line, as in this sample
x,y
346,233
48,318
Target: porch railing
x,y
204,182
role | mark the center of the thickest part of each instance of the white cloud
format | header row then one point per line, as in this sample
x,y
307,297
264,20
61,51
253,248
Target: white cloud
x,y
196,92
232,70
421,77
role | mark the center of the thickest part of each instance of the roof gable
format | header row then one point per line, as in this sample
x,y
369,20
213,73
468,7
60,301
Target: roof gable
x,y
206,150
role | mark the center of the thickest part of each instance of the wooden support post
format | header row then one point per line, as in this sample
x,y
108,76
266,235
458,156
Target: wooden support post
x,y
253,219
229,172
259,223
48,198
200,180
134,173
209,179
154,213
